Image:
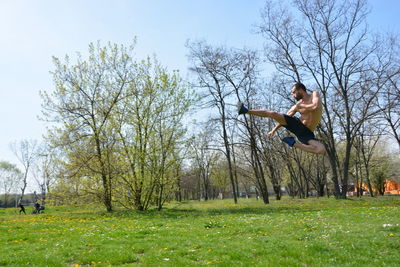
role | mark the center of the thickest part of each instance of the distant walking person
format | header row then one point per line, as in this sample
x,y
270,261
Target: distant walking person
x,y
22,208
37,207
309,105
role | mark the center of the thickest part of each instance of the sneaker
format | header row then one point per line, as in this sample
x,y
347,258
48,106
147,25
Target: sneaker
x,y
289,140
242,109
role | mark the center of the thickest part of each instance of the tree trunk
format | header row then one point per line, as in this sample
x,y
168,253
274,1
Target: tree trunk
x,y
24,186
346,164
106,185
335,176
228,157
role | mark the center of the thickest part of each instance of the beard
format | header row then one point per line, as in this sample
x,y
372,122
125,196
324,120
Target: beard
x,y
298,97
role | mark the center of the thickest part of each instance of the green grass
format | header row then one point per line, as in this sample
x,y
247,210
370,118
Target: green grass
x,y
290,232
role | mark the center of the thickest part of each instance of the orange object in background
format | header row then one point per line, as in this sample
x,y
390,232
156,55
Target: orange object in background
x,y
392,187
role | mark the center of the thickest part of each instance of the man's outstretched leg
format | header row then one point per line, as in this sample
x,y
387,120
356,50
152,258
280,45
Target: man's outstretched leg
x,y
262,113
313,146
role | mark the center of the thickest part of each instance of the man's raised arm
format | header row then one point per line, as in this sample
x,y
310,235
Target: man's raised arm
x,y
316,101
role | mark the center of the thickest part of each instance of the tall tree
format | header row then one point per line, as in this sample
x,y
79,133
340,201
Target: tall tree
x,y
119,122
44,172
150,130
325,44
231,75
10,178
387,73
204,156
85,96
26,152
365,143
208,64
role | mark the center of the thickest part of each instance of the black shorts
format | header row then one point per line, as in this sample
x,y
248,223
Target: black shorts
x,y
294,125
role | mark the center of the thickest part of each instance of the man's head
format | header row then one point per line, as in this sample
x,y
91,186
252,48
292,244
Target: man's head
x,y
298,91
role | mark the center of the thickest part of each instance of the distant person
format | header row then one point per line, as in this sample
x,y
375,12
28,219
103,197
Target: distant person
x,y
37,207
309,105
22,208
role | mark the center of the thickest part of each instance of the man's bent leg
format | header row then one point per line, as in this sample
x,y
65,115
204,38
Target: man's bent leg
x,y
280,118
313,146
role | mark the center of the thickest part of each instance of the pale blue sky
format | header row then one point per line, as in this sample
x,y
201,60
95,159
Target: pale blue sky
x,y
32,31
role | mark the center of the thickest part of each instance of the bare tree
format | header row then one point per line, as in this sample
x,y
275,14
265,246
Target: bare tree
x,y
325,45
10,178
243,77
231,75
27,152
204,156
387,77
208,64
44,173
365,144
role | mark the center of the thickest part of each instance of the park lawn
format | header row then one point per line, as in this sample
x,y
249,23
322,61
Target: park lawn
x,y
290,232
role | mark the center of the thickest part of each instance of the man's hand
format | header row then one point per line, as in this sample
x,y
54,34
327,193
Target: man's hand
x,y
271,133
293,110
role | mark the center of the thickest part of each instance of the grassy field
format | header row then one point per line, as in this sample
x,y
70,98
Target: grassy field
x,y
290,232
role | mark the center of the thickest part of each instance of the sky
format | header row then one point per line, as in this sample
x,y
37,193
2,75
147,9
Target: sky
x,y
33,31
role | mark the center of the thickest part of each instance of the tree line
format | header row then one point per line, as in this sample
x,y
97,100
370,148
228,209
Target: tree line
x,y
120,131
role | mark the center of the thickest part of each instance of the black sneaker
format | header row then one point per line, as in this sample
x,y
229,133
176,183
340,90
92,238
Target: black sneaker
x,y
241,108
289,140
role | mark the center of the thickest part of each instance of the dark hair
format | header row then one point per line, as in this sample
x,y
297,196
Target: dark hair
x,y
299,85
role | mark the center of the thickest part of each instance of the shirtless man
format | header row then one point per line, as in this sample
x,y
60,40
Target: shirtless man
x,y
310,108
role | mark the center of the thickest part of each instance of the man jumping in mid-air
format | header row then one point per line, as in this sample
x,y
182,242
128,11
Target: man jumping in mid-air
x,y
310,108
